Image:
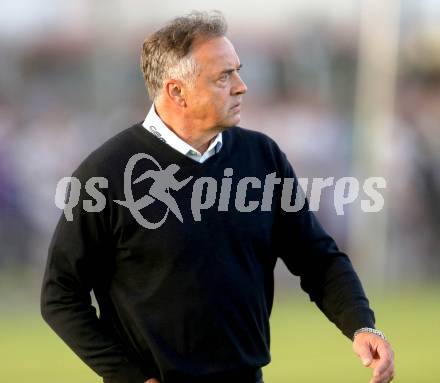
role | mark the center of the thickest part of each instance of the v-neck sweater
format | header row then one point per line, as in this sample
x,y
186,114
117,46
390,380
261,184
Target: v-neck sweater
x,y
190,300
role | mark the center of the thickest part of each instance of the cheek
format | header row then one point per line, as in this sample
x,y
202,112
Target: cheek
x,y
220,108
210,105
222,102
198,106
214,106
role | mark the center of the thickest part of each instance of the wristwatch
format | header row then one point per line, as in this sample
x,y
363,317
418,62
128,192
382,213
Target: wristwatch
x,y
371,330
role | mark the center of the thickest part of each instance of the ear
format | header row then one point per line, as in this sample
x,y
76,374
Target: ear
x,y
175,91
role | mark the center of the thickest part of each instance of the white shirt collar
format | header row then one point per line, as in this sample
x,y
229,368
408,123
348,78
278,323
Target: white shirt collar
x,y
156,126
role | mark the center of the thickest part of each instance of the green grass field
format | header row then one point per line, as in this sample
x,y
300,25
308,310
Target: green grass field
x,y
306,347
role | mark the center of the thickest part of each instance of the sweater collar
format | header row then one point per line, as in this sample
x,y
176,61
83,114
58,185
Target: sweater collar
x,y
156,126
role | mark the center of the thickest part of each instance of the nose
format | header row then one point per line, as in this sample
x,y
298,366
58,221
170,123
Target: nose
x,y
239,85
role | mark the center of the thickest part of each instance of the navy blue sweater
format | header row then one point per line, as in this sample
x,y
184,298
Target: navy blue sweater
x,y
190,300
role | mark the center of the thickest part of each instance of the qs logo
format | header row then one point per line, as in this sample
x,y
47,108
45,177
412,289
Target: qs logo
x,y
164,180
206,192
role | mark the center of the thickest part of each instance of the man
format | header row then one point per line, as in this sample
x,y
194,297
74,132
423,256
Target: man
x,y
189,300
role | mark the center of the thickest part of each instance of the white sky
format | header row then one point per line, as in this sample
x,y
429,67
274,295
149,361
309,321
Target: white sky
x,y
24,17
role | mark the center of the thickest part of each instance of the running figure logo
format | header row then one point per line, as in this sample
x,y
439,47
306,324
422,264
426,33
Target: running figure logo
x,y
164,179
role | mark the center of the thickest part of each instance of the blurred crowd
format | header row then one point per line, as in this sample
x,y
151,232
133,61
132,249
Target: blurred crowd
x,y
61,96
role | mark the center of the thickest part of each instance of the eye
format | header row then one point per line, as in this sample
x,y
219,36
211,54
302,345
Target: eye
x,y
224,76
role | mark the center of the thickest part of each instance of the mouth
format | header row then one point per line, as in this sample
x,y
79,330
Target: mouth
x,y
236,106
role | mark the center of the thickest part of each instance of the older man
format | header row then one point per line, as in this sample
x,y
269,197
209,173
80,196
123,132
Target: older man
x,y
188,298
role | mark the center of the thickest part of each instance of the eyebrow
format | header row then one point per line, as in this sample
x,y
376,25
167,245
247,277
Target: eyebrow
x,y
231,70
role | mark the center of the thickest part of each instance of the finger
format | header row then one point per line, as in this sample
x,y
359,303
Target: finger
x,y
384,377
385,360
364,352
382,367
388,375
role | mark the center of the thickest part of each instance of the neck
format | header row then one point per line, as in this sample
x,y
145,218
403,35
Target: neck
x,y
188,131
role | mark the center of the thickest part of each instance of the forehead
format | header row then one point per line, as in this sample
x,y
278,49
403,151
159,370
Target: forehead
x,y
215,54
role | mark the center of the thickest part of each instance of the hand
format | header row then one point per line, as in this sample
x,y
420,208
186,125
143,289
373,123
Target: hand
x,y
377,354
152,381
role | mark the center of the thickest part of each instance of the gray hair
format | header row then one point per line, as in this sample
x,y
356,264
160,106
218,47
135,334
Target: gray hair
x,y
167,52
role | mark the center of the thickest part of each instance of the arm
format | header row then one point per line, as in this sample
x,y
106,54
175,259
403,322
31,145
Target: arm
x,y
76,260
326,273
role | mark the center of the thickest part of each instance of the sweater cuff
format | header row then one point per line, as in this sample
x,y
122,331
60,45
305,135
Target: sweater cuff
x,y
128,372
355,319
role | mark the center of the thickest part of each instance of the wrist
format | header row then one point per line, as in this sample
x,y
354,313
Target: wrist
x,y
371,331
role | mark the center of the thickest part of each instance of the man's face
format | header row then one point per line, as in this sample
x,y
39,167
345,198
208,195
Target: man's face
x,y
214,101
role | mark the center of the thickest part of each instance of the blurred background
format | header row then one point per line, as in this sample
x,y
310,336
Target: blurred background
x,y
346,88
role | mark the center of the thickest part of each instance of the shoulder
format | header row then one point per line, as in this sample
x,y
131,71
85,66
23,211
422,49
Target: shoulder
x,y
252,137
259,143
109,156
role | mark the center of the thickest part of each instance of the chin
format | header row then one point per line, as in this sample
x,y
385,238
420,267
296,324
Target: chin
x,y
231,124
235,119
230,121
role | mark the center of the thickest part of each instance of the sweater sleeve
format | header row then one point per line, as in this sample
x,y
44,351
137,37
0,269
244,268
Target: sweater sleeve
x,y
73,265
326,273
